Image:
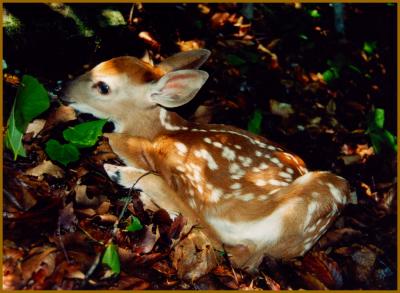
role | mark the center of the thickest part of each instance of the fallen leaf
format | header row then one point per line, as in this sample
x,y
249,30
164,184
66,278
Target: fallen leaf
x,y
82,198
61,115
67,219
33,263
323,268
35,126
281,109
46,167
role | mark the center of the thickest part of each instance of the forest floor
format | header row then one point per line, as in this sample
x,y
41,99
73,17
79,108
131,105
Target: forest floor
x,y
284,71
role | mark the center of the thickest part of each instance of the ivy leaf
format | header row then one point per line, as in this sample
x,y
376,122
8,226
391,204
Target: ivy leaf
x,y
379,136
31,100
369,47
254,124
111,258
134,225
85,134
62,153
315,13
235,60
14,136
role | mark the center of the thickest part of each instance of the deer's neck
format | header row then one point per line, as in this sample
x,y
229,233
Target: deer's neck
x,y
152,123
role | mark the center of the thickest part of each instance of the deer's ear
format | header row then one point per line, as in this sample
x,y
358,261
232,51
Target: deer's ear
x,y
178,87
185,60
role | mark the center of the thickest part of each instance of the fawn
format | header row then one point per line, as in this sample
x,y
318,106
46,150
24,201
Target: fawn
x,y
250,195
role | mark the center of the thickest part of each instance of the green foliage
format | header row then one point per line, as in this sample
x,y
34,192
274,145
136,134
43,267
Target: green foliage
x,y
331,74
255,121
235,60
111,258
134,224
369,47
13,140
63,153
379,136
85,134
315,13
31,100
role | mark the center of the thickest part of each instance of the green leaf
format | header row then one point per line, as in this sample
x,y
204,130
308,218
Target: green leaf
x,y
379,117
254,124
14,136
134,225
369,47
330,74
32,99
391,140
315,14
111,258
303,36
235,60
354,68
85,134
62,153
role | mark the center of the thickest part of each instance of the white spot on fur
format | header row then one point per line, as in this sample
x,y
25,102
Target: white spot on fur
x,y
262,197
263,166
180,168
234,168
311,208
261,182
285,175
246,161
275,182
237,147
289,170
273,191
207,140
236,186
272,148
275,161
227,153
247,197
215,195
192,203
217,144
182,149
207,156
336,193
255,170
258,153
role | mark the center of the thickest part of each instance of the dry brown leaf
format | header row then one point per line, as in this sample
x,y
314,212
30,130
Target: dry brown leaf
x,y
281,109
149,39
35,126
337,236
33,263
190,45
67,219
323,268
46,167
103,208
82,198
60,115
146,244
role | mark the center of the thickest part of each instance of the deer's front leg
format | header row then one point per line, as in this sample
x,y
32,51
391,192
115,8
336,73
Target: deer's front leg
x,y
157,194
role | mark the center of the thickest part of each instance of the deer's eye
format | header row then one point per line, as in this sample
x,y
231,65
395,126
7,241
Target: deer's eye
x,y
102,87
